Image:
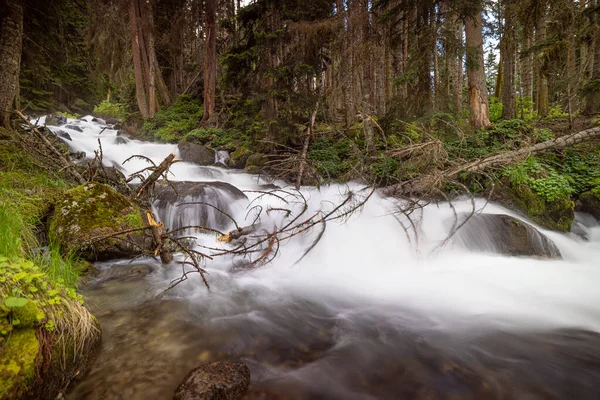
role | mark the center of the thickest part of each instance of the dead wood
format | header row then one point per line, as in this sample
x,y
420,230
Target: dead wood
x,y
425,185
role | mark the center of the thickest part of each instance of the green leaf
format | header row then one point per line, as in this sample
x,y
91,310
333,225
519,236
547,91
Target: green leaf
x,y
15,302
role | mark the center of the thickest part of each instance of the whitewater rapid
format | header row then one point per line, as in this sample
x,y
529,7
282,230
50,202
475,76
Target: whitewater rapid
x,y
368,261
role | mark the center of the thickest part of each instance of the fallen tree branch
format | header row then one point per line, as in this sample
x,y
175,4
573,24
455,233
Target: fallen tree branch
x,y
428,183
64,164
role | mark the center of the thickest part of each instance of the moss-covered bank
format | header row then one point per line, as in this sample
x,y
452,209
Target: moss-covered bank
x,y
46,333
93,211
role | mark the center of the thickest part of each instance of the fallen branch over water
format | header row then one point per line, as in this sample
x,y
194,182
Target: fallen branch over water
x,y
429,183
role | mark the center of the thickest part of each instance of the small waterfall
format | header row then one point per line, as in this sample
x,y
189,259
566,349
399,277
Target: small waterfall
x,y
170,204
222,157
503,234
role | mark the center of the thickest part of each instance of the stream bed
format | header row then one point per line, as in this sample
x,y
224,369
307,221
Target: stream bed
x,y
374,311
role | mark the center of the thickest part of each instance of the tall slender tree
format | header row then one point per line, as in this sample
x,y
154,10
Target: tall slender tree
x,y
11,34
478,96
210,60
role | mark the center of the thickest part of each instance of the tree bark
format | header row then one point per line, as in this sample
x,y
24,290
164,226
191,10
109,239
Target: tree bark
x,y
478,97
527,59
210,60
508,48
592,97
11,40
541,79
140,86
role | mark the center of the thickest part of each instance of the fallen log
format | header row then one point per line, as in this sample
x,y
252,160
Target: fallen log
x,y
426,183
61,160
157,172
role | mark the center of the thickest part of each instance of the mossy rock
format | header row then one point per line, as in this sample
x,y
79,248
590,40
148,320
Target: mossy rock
x,y
589,203
557,215
239,158
91,212
18,354
255,163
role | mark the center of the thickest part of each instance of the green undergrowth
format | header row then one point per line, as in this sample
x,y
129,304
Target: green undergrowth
x,y
38,298
27,195
106,109
33,304
171,123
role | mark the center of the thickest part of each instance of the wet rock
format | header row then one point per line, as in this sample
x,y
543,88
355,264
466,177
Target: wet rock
x,y
87,215
96,277
56,120
64,135
589,204
219,194
121,140
77,155
503,234
111,176
255,163
224,380
74,127
195,153
164,192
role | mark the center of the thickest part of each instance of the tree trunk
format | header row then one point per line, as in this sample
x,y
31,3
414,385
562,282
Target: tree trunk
x,y
11,40
140,86
508,48
458,86
210,60
527,60
478,97
541,79
592,94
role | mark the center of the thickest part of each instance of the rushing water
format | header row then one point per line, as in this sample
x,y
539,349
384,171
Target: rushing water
x,y
372,312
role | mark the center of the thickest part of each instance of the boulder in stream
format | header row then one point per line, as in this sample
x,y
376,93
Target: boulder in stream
x,y
64,135
89,213
168,203
74,128
589,203
223,380
506,235
196,153
56,120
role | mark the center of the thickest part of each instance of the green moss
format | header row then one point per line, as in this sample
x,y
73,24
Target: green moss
x,y
256,162
135,220
556,215
29,316
17,363
89,212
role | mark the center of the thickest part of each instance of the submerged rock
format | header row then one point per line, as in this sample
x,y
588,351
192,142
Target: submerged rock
x,y
223,380
74,127
91,212
589,204
503,234
195,153
64,135
56,120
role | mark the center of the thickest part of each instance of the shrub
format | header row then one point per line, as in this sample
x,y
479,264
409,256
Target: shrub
x,y
171,124
107,109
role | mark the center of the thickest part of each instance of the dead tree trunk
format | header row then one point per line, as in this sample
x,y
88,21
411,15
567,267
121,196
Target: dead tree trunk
x,y
11,33
426,184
